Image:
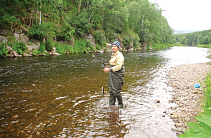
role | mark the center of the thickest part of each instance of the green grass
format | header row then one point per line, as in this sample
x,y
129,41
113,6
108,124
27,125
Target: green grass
x,y
160,46
79,47
3,49
202,128
205,46
207,91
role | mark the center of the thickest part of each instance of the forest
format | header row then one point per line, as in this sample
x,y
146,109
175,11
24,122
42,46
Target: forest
x,y
135,23
200,39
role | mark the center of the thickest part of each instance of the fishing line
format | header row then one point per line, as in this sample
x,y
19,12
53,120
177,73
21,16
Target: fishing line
x,y
60,9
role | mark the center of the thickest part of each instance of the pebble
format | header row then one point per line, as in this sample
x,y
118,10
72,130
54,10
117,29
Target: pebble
x,y
178,124
171,101
157,101
182,79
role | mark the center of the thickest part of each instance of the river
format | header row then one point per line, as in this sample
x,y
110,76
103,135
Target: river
x,y
60,96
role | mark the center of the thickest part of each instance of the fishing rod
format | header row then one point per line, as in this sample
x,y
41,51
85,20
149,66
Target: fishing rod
x,y
103,64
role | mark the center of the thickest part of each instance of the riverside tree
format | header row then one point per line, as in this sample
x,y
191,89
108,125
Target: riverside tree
x,y
134,22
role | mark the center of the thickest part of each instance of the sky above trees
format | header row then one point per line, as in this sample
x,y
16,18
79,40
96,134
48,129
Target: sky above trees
x,y
186,14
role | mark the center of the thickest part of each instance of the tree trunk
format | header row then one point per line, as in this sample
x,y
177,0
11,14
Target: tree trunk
x,y
36,11
40,11
102,19
31,20
79,6
119,22
142,23
90,17
72,39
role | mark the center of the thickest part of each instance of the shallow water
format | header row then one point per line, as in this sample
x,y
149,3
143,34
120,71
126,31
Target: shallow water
x,y
61,96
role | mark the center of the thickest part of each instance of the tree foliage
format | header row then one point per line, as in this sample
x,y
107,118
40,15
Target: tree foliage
x,y
195,38
135,21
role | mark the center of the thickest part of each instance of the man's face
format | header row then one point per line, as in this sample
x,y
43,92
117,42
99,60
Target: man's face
x,y
114,48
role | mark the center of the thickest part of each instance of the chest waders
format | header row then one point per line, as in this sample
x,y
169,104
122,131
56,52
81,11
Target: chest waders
x,y
115,82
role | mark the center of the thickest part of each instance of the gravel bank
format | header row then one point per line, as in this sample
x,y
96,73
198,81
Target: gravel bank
x,y
187,99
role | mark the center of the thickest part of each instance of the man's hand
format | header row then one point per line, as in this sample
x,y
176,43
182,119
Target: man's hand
x,y
106,69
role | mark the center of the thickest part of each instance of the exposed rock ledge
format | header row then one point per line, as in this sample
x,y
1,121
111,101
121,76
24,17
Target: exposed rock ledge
x,y
187,98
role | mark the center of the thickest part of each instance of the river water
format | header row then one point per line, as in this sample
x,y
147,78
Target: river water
x,y
61,96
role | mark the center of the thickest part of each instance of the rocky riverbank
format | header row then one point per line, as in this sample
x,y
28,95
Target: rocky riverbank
x,y
187,99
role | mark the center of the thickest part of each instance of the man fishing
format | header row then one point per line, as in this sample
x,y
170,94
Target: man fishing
x,y
116,75
116,69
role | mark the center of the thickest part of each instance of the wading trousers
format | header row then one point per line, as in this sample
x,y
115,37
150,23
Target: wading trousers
x,y
115,82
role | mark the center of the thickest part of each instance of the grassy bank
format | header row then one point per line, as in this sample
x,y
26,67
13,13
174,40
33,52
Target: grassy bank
x,y
202,128
20,47
161,46
80,46
205,46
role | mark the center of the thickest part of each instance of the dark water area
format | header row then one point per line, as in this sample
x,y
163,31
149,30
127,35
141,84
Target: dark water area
x,y
61,96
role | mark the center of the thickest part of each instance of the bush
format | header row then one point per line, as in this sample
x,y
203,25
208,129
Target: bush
x,y
100,38
130,38
59,48
200,129
205,46
49,44
209,54
19,47
3,49
63,48
36,52
98,47
37,32
41,50
160,46
67,48
42,47
81,46
207,91
111,35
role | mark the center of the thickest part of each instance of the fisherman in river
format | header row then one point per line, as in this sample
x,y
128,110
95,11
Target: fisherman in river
x,y
116,75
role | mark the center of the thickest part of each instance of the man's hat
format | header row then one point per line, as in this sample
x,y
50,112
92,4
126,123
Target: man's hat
x,y
117,43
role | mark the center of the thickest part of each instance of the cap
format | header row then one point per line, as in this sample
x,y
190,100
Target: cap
x,y
117,43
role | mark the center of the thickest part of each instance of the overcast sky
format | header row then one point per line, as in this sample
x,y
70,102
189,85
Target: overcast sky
x,y
186,14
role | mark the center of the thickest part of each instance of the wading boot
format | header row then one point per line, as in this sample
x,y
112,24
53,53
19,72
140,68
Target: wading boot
x,y
112,100
119,98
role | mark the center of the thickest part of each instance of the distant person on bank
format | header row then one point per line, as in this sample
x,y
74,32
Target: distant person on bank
x,y
116,75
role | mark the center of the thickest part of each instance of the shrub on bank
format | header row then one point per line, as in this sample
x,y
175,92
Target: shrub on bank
x,y
3,49
209,54
41,49
79,47
160,46
202,128
207,92
63,48
100,38
19,47
49,45
205,46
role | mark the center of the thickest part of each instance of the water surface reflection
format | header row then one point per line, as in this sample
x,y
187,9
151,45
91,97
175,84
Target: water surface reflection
x,y
61,96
